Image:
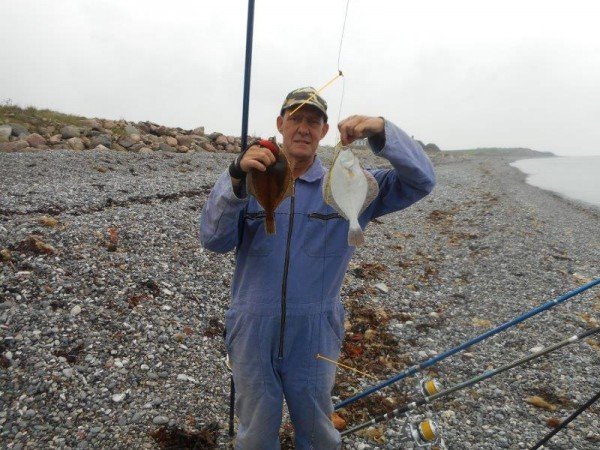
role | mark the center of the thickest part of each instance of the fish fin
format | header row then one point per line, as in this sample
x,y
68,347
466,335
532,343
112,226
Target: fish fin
x,y
372,190
270,223
289,179
356,237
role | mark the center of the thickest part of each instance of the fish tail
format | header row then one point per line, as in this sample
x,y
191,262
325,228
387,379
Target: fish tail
x,y
270,223
356,238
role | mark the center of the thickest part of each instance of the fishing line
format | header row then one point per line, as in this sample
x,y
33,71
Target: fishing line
x,y
430,362
470,382
567,421
313,95
339,70
319,356
339,75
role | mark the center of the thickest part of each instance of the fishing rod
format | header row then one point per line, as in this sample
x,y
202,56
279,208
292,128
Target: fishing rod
x,y
430,362
244,144
567,421
483,376
247,67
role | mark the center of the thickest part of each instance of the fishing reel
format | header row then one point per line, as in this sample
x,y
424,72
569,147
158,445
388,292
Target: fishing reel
x,y
429,386
424,433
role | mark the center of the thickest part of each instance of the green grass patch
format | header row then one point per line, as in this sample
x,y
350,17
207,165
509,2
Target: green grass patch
x,y
37,117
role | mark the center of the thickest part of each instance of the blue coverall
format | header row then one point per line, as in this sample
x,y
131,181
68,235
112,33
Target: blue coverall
x,y
286,304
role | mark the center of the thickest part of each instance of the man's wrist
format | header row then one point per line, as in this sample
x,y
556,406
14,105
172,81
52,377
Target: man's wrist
x,y
235,169
377,141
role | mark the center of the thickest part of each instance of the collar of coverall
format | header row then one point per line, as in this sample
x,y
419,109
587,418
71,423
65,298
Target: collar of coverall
x,y
315,172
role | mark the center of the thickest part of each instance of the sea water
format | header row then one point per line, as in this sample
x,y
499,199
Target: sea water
x,y
575,177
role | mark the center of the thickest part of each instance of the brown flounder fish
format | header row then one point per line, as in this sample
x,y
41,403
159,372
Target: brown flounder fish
x,y
271,187
349,189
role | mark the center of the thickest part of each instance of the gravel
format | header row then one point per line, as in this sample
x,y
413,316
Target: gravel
x,y
111,317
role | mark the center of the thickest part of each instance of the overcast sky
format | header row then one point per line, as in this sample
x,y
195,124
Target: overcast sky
x,y
460,73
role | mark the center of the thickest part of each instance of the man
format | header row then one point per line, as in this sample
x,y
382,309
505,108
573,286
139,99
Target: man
x,y
286,305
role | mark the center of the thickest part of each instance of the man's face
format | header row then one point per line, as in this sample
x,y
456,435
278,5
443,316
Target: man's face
x,y
302,131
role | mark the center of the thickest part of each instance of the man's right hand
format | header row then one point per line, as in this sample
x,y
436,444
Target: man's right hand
x,y
257,157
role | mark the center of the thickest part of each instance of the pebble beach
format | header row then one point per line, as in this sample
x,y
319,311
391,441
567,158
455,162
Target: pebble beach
x,y
111,313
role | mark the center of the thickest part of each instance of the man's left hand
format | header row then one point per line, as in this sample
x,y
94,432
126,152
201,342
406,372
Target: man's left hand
x,y
359,127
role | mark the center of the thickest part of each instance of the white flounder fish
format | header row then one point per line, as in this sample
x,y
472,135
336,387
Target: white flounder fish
x,y
349,189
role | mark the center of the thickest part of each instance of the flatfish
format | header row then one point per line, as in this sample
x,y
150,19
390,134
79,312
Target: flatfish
x,y
271,187
349,189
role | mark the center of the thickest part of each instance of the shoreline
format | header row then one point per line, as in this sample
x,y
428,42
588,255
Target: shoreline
x,y
113,333
581,203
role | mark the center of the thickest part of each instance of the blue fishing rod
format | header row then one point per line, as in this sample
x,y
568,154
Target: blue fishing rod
x,y
245,109
430,362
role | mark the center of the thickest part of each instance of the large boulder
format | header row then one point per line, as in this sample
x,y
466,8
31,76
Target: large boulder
x,y
75,143
184,140
221,140
35,140
19,130
5,131
56,139
102,139
70,131
432,148
93,124
166,147
14,146
198,131
128,141
130,129
208,147
171,141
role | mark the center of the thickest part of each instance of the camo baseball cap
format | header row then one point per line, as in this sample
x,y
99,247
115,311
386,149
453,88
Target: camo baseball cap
x,y
308,96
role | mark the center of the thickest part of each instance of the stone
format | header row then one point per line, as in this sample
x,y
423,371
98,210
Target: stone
x,y
75,143
18,130
166,147
145,150
160,420
56,139
171,141
118,147
184,140
5,130
221,140
130,129
432,148
70,131
382,287
118,397
93,124
76,310
199,131
13,146
230,148
109,124
101,148
126,141
101,139
182,149
209,147
35,140
137,147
